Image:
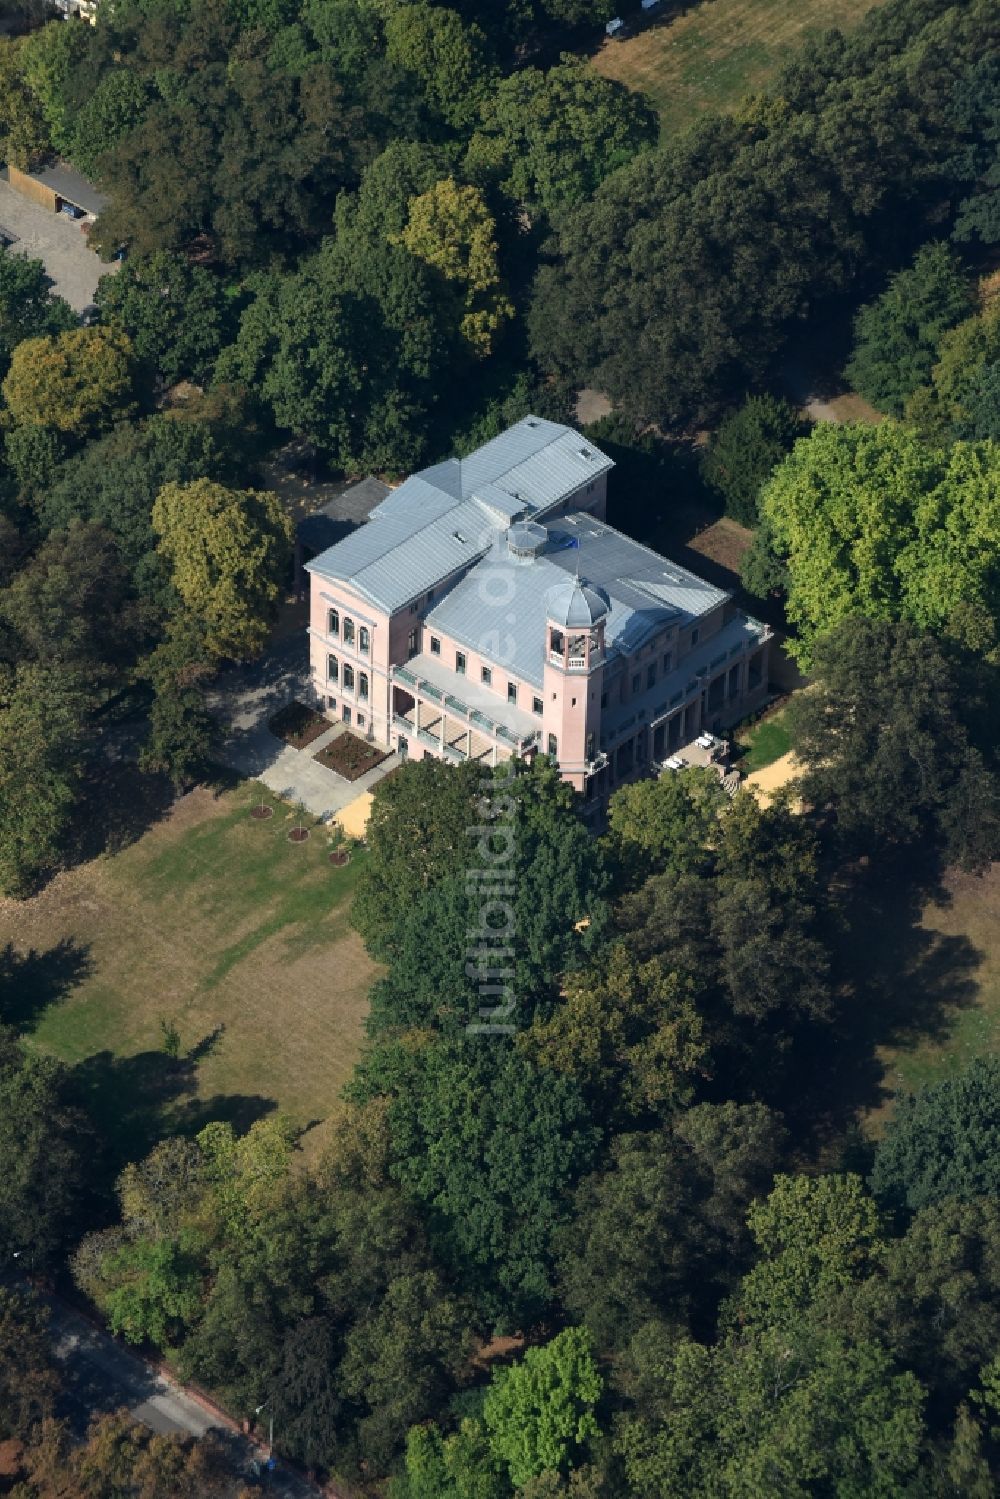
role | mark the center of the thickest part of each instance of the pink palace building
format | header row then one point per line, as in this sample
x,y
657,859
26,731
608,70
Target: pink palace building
x,y
487,609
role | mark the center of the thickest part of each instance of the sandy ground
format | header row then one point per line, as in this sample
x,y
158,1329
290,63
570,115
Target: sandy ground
x,y
765,782
354,817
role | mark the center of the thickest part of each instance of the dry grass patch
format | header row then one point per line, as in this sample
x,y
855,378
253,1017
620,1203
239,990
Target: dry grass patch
x,y
718,51
216,923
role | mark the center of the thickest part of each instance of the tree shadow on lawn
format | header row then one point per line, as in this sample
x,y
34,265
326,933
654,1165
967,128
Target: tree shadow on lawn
x,y
116,805
137,1101
899,984
33,980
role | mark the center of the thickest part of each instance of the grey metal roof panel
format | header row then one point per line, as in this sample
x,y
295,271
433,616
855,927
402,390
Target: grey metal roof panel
x,y
503,616
411,540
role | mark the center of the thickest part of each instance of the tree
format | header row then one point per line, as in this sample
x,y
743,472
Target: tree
x,y
49,59
679,282
666,823
875,522
627,1032
266,149
684,1191
451,229
230,551
540,1412
76,382
802,1415
881,736
841,509
961,398
155,1289
71,605
943,1142
27,307
181,729
114,109
491,1147
171,311
447,57
29,1383
44,1139
404,1359
24,138
552,138
942,1277
344,352
42,715
896,336
433,822
746,448
116,478
419,832
460,1465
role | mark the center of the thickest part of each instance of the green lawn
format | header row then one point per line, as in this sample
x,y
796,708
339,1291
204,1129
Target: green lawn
x,y
766,741
217,924
712,55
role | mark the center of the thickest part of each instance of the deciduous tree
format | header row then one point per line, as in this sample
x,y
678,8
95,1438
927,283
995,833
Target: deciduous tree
x,y
229,550
76,382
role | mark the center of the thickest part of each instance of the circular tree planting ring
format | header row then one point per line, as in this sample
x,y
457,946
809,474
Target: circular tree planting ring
x,y
340,856
298,835
261,813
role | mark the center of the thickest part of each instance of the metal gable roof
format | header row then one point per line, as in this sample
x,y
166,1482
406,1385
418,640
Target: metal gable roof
x,y
412,539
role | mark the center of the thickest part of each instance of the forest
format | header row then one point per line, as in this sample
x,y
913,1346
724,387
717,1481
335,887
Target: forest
x,y
644,1245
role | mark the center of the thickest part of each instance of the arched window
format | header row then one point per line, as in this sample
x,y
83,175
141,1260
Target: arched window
x,y
348,676
332,622
332,669
363,640
362,684
348,632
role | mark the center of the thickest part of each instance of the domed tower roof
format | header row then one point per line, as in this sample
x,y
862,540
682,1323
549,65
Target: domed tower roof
x,y
576,604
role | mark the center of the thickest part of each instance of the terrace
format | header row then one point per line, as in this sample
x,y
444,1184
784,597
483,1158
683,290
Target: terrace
x,y
457,716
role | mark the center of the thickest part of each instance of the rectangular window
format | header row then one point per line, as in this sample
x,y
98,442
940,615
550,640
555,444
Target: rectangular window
x,y
361,720
346,713
512,692
460,663
486,675
553,747
636,682
650,674
694,637
435,646
590,747
536,705
411,643
668,657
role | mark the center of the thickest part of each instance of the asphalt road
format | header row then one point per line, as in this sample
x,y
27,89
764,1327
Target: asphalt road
x,y
101,1376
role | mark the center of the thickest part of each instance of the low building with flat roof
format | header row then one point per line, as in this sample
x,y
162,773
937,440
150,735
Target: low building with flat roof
x,y
487,609
58,186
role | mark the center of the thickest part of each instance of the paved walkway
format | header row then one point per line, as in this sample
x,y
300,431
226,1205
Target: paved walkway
x,y
244,698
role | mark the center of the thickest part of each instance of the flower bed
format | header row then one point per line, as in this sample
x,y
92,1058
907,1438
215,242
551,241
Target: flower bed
x,y
351,757
298,725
